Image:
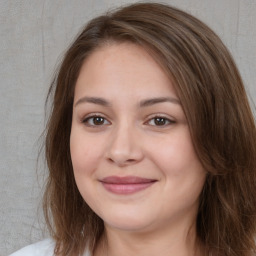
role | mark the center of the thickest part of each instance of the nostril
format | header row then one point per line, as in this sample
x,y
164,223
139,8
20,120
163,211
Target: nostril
x,y
130,160
121,162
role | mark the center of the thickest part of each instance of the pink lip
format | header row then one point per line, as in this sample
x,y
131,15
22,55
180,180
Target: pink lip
x,y
126,185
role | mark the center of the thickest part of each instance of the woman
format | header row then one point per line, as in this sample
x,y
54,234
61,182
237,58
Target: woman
x,y
151,142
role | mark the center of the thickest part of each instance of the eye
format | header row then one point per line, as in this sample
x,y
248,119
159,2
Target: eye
x,y
95,120
160,121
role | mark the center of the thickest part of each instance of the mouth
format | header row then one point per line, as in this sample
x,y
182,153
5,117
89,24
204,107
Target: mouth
x,y
127,184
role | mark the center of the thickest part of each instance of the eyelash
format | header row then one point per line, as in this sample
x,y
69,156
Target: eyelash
x,y
162,119
154,118
92,117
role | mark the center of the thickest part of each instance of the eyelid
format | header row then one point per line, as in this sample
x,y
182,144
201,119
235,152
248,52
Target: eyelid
x,y
170,120
85,118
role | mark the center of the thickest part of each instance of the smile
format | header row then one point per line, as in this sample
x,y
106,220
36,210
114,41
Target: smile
x,y
126,185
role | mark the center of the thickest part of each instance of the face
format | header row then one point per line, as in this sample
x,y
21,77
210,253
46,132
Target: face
x,y
131,149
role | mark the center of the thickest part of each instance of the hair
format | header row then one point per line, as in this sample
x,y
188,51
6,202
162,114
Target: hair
x,y
214,101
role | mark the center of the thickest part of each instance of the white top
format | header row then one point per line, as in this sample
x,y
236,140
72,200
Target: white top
x,y
42,248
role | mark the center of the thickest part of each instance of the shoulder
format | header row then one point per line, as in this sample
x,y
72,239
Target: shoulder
x,y
42,248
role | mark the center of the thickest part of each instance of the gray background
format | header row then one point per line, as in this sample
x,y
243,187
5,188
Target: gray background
x,y
33,36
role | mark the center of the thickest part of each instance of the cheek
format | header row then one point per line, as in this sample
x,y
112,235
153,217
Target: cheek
x,y
176,159
85,160
175,153
84,156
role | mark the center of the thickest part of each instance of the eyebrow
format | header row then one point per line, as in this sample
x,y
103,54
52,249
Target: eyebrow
x,y
150,102
94,100
143,103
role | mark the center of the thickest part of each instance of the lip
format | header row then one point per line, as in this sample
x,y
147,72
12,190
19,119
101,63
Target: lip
x,y
127,184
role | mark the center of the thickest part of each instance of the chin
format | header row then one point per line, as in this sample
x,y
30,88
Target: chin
x,y
126,222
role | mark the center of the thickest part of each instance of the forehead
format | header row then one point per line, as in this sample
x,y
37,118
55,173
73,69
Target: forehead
x,y
119,67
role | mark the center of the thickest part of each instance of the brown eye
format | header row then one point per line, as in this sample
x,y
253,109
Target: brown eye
x,y
98,120
95,121
160,121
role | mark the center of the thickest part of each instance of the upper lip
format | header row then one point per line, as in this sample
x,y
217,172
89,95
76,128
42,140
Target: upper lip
x,y
126,180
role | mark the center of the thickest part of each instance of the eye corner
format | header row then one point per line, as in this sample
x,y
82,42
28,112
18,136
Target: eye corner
x,y
160,121
95,120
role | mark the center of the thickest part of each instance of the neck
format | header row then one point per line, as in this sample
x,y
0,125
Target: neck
x,y
178,242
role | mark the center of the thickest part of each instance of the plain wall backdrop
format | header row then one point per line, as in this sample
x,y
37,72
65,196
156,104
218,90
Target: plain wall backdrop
x,y
33,36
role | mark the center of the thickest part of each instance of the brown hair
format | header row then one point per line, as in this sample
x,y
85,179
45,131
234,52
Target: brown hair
x,y
215,103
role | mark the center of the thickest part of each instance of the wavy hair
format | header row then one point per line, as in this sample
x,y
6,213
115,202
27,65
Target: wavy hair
x,y
217,110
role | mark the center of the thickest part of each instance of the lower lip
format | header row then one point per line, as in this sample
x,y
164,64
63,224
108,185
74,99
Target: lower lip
x,y
125,189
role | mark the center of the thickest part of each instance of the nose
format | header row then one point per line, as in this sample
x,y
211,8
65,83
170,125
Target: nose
x,y
124,147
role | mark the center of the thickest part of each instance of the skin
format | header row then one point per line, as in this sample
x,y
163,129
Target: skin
x,y
127,139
